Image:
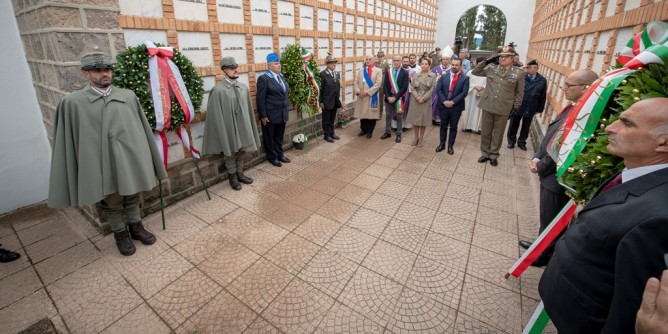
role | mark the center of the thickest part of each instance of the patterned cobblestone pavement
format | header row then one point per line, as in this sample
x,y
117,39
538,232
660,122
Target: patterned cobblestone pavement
x,y
358,236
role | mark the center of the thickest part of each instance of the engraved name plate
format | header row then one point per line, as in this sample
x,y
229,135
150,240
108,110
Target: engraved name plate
x,y
284,41
262,46
350,23
337,22
197,47
190,10
338,48
286,14
230,11
261,12
307,43
305,17
234,45
148,8
323,19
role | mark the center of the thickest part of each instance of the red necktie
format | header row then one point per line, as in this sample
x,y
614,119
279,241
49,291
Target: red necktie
x,y
453,82
615,182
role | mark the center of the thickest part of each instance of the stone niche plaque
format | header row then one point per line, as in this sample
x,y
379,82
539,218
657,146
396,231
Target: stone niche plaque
x,y
323,47
597,64
350,4
379,8
378,27
197,47
134,37
360,5
350,24
323,19
209,82
174,148
284,41
261,12
337,22
262,46
148,8
197,134
350,69
360,25
307,43
234,45
393,12
369,26
386,9
368,48
230,11
337,45
305,17
370,6
348,95
190,10
392,30
338,2
350,47
286,14
359,50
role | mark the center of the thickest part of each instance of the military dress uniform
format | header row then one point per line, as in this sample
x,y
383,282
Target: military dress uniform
x,y
503,93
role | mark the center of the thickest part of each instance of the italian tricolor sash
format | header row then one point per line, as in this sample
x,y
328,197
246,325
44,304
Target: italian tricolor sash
x,y
393,74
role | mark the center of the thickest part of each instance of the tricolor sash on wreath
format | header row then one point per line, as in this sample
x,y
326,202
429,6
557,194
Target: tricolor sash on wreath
x,y
165,78
399,103
374,98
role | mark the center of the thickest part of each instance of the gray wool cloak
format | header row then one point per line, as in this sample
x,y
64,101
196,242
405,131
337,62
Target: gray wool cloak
x,y
101,146
230,125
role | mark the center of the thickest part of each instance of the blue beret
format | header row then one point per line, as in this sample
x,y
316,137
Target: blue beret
x,y
272,57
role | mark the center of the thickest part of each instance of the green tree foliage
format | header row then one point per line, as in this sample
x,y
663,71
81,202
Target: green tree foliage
x,y
300,88
494,23
466,27
595,165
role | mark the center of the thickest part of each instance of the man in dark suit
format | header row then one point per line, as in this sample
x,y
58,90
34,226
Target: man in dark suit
x,y
452,88
594,283
272,105
330,97
395,85
552,194
533,102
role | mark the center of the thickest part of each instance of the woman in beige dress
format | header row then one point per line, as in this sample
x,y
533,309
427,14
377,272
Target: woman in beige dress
x,y
422,85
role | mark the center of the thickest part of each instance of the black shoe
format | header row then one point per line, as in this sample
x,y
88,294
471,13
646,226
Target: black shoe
x,y
243,178
483,159
440,148
368,136
329,139
525,244
361,133
276,163
522,147
467,130
335,137
493,162
511,145
386,135
284,159
124,244
234,181
138,232
8,256
398,140
451,151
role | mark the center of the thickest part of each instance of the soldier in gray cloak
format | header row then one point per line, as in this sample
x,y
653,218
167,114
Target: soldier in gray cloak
x,y
103,151
230,127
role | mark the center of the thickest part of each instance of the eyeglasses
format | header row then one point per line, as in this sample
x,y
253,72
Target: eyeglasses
x,y
566,85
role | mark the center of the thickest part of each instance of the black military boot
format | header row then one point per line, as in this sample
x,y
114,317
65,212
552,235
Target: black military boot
x,y
124,244
7,255
138,232
234,181
243,178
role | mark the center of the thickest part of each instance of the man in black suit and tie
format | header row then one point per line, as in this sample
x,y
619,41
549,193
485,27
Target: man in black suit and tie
x,y
452,88
395,85
594,282
533,102
552,194
330,97
272,105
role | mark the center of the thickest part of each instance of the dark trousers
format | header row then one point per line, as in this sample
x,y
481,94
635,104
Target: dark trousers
x,y
328,118
367,125
514,124
550,205
449,120
272,137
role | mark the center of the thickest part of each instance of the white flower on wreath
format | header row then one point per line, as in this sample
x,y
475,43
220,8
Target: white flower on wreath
x,y
299,138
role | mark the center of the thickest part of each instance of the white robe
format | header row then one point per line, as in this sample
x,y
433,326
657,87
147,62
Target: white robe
x,y
471,116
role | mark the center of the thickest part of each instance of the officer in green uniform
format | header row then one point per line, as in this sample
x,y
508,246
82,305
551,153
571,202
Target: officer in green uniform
x,y
503,94
103,151
381,64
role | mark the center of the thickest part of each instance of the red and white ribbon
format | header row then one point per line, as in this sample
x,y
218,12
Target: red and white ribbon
x,y
165,79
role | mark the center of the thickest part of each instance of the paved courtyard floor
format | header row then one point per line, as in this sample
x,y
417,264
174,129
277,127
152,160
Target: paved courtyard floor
x,y
359,236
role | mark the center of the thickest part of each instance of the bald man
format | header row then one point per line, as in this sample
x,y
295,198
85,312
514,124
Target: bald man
x,y
595,281
367,85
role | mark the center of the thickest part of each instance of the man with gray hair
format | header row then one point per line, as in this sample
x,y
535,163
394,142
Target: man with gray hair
x,y
466,63
103,151
594,282
230,128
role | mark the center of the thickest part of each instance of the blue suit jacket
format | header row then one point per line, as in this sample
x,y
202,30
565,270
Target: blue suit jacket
x,y
272,99
458,94
402,83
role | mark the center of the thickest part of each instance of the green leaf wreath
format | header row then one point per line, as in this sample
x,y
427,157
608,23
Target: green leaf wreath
x,y
595,165
293,71
131,72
